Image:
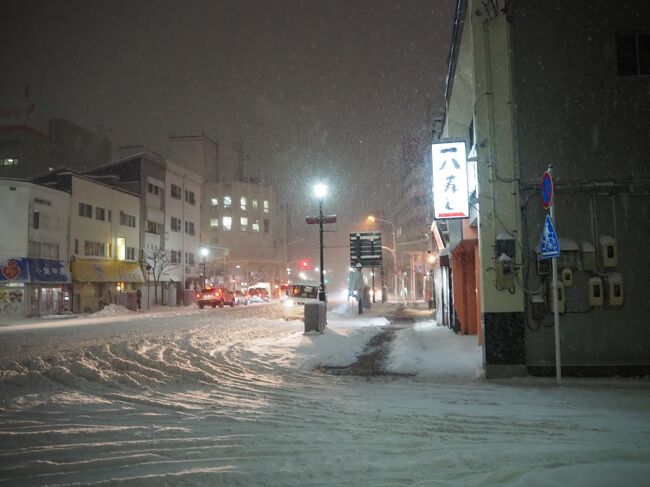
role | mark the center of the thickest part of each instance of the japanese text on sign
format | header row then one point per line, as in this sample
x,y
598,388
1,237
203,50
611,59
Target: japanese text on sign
x,y
450,198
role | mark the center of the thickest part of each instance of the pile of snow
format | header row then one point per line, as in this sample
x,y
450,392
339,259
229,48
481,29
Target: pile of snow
x,y
112,310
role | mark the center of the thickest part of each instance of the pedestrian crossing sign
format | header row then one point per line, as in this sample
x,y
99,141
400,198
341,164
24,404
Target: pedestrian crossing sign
x,y
549,245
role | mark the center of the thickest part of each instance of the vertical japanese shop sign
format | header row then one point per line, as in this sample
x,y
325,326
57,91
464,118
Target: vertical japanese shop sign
x,y
450,198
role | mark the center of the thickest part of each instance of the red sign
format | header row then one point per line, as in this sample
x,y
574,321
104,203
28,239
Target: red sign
x,y
547,190
314,220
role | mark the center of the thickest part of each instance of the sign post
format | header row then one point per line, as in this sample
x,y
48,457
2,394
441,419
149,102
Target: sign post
x,y
550,247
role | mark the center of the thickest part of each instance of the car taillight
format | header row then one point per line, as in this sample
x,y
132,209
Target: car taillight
x,y
198,295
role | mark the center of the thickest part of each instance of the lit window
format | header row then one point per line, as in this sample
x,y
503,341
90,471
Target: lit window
x,y
254,203
227,223
9,161
214,222
215,202
242,203
121,248
244,223
266,206
227,202
256,225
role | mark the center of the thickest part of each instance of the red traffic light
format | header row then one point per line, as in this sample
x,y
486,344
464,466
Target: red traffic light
x,y
305,264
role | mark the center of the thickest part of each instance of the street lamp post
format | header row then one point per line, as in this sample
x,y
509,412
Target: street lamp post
x,y
321,190
393,250
204,252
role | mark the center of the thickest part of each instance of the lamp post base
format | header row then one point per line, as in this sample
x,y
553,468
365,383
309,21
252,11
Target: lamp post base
x,y
322,296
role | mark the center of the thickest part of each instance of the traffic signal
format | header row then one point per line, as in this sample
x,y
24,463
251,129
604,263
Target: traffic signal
x,y
305,264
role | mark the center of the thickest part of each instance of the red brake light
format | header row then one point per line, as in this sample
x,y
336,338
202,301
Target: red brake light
x,y
198,295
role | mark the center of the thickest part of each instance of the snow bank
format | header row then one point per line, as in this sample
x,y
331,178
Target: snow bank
x,y
112,310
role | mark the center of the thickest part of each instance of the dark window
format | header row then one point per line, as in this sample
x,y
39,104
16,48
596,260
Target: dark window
x,y
76,246
127,220
100,213
85,210
267,225
633,54
130,253
37,219
176,192
176,224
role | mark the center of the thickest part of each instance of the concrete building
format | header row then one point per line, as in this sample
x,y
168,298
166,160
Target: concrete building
x,y
24,140
34,267
198,153
30,145
577,99
103,241
244,228
169,236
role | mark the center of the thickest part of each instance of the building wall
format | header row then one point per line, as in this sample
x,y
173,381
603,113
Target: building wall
x,y
105,231
198,153
183,240
35,225
575,112
260,254
540,99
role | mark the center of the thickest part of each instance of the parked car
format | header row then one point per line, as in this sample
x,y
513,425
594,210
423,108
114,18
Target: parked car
x,y
258,295
241,298
211,296
228,296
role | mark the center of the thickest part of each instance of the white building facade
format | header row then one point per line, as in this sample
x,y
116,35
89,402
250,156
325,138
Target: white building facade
x,y
34,267
244,229
104,241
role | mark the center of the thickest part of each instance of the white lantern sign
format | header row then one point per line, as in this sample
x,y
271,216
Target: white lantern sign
x,y
450,197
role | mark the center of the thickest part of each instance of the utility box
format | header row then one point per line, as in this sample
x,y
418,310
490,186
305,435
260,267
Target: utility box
x,y
315,317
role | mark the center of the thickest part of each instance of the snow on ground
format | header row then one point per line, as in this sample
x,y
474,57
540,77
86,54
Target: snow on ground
x,y
231,397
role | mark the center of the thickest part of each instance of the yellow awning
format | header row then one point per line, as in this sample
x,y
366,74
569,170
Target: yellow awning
x,y
99,270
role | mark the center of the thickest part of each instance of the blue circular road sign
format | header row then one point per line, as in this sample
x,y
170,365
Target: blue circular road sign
x,y
547,190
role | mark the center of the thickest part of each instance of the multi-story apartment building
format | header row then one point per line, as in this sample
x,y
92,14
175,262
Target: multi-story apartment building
x,y
170,206
34,267
244,227
103,240
577,100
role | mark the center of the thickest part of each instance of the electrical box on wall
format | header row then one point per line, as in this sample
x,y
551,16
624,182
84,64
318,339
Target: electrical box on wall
x,y
608,251
595,291
567,277
587,256
505,252
505,244
569,252
538,306
615,290
505,273
560,297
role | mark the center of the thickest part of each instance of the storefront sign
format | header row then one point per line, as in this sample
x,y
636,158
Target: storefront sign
x,y
450,196
34,270
14,270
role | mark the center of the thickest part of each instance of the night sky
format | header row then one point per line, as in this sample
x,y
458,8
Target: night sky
x,y
313,89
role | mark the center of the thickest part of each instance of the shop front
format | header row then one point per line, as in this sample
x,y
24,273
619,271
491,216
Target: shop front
x,y
33,287
98,282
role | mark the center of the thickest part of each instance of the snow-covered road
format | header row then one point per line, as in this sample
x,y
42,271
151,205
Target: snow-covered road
x,y
232,398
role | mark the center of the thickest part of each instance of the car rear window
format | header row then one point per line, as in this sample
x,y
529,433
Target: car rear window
x,y
304,292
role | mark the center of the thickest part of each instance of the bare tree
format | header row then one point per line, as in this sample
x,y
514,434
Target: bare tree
x,y
214,270
156,263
